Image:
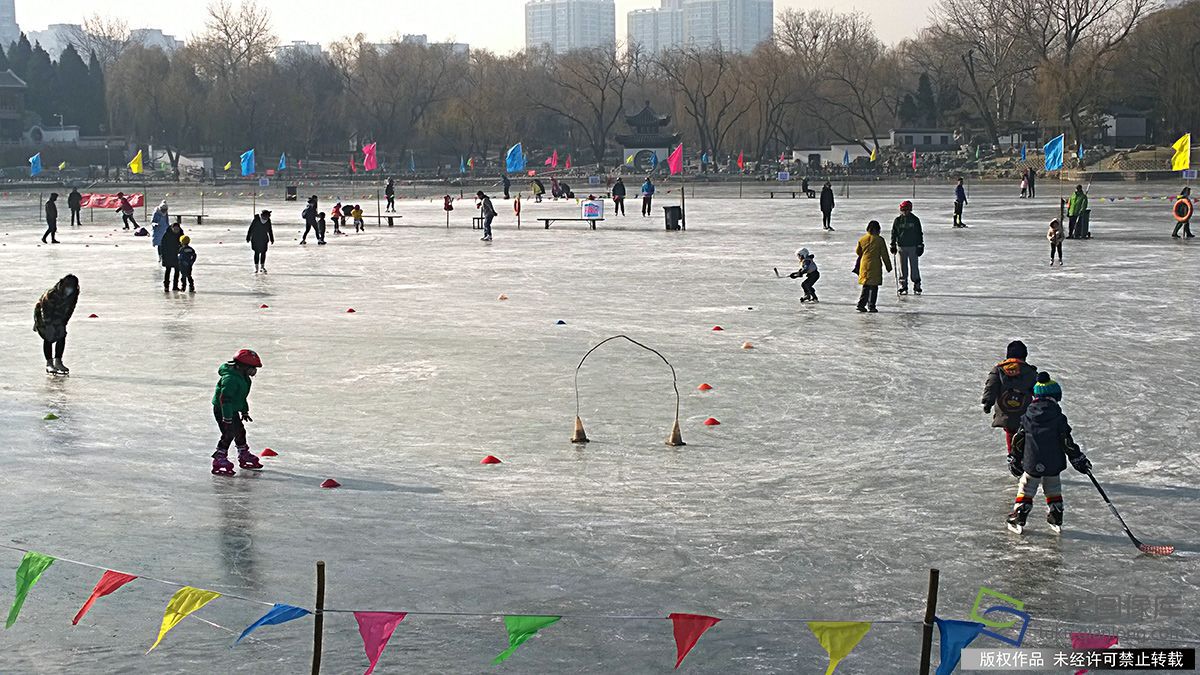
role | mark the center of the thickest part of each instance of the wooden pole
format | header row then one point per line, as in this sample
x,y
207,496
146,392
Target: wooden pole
x,y
682,202
927,630
319,618
378,213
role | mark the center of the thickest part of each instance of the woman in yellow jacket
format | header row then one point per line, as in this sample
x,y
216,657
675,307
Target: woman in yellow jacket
x,y
872,259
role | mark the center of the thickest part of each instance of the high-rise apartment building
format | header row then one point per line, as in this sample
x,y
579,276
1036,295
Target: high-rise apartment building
x,y
733,25
10,32
564,25
653,30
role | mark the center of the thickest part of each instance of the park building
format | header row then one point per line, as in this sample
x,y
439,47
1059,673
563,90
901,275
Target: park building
x,y
565,25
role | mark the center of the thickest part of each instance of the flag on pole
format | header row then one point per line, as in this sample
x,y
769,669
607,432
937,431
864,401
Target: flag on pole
x,y
471,163
247,162
846,157
283,161
1182,160
1022,152
654,161
552,160
675,160
782,157
62,165
1080,150
412,161
229,165
1054,153
462,164
741,163
914,159
977,148
568,161
873,153
135,164
704,158
629,159
515,159
353,166
370,163
35,165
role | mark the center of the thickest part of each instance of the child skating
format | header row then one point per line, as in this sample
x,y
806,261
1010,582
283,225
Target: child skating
x,y
808,270
187,258
357,214
232,411
1040,452
1055,235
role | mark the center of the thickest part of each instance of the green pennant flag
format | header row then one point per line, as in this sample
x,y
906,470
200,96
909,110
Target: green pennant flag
x,y
521,628
32,566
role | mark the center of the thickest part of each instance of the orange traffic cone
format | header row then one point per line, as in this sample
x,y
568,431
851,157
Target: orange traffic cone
x,y
579,436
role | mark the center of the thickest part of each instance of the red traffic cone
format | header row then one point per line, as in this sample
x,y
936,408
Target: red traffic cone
x,y
330,483
351,311
705,387
717,328
93,316
263,307
490,459
711,422
267,452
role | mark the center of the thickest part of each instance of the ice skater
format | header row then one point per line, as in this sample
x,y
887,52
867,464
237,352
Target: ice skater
x,y
1009,390
1184,223
960,200
538,190
1055,235
51,218
168,252
232,410
808,270
1024,185
126,210
50,317
321,228
827,207
75,204
187,259
309,214
487,212
507,183
389,191
336,214
647,196
909,242
260,236
1041,449
872,259
357,214
1076,205
618,197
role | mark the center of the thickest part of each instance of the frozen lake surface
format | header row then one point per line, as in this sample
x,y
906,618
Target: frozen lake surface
x,y
852,453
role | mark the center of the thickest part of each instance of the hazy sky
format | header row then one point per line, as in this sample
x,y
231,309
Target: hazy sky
x,y
495,24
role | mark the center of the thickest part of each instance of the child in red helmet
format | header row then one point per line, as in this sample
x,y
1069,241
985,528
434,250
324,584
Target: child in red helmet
x,y
232,410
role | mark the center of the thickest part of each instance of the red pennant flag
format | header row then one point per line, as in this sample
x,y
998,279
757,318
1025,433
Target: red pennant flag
x,y
741,160
369,161
914,158
782,157
675,160
353,168
108,583
688,629
376,629
568,161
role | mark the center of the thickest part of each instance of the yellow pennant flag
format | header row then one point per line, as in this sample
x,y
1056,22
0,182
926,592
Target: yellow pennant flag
x,y
62,166
135,165
185,601
839,638
873,154
1183,154
629,159
228,165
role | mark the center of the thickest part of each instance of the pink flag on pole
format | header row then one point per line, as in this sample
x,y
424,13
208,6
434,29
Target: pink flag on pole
x,y
109,582
688,629
675,160
914,158
376,629
552,161
369,161
1083,641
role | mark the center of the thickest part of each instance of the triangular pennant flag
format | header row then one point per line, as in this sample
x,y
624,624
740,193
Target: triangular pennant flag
x,y
839,638
248,162
109,582
1084,641
135,164
1080,150
62,166
1054,153
520,628
873,154
846,157
1182,159
675,161
376,629
185,601
741,163
955,636
229,165
688,629
276,615
30,570
283,161
568,161
35,165
629,159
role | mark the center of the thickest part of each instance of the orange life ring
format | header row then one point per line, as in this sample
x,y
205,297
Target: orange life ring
x,y
1182,210
517,206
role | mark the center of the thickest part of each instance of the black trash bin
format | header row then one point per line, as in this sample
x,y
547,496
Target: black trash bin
x,y
291,193
674,216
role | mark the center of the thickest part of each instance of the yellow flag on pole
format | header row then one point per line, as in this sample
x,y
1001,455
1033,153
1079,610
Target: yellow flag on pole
x,y
1183,154
62,166
629,159
185,601
839,638
228,165
135,165
873,154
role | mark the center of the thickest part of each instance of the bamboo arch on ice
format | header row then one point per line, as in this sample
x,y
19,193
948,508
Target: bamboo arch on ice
x,y
675,439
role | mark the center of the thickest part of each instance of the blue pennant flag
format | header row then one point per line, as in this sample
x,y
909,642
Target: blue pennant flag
x,y
1054,153
846,158
1080,149
412,162
35,165
515,159
1022,152
275,616
704,158
462,164
248,162
283,161
654,161
955,636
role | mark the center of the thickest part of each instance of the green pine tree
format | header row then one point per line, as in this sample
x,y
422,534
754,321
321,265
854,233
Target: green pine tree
x,y
97,98
42,95
18,57
74,86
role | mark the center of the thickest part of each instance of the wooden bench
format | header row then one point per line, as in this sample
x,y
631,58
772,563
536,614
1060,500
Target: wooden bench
x,y
593,221
180,216
477,223
807,193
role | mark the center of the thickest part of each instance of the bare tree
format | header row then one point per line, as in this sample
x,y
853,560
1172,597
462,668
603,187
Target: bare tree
x,y
713,94
234,54
105,36
587,88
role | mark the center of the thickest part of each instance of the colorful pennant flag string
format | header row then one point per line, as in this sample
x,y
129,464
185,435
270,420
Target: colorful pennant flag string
x,y
376,629
839,638
30,570
688,628
520,628
185,601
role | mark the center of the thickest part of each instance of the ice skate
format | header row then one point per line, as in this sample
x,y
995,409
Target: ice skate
x,y
248,460
50,367
60,369
1016,522
917,288
221,466
263,269
1055,518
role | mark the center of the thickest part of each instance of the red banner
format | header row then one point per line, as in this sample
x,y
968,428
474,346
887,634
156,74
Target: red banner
x,y
108,201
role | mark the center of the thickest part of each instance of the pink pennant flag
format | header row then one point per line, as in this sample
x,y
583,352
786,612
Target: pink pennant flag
x,y
369,161
568,161
688,629
675,160
109,582
553,160
376,629
1082,641
914,158
353,168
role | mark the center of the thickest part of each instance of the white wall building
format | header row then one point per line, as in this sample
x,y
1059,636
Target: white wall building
x,y
10,32
733,25
298,49
655,30
58,36
564,25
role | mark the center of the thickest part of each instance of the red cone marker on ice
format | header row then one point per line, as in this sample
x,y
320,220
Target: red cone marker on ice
x,y
705,387
747,345
330,483
711,422
350,311
263,307
267,452
717,328
490,459
93,316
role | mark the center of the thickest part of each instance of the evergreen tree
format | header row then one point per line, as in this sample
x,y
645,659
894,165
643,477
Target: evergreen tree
x,y
97,97
42,95
74,90
908,111
4,64
19,55
927,108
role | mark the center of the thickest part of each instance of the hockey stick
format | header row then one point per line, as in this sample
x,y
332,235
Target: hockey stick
x,y
1144,548
896,272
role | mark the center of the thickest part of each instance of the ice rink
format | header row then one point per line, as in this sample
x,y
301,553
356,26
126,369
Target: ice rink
x,y
852,455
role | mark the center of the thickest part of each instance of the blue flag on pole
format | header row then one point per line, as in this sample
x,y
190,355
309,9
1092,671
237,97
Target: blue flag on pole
x,y
515,159
462,164
1054,153
956,635
275,616
35,165
654,161
1080,149
283,161
704,158
412,162
248,162
1022,152
846,158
